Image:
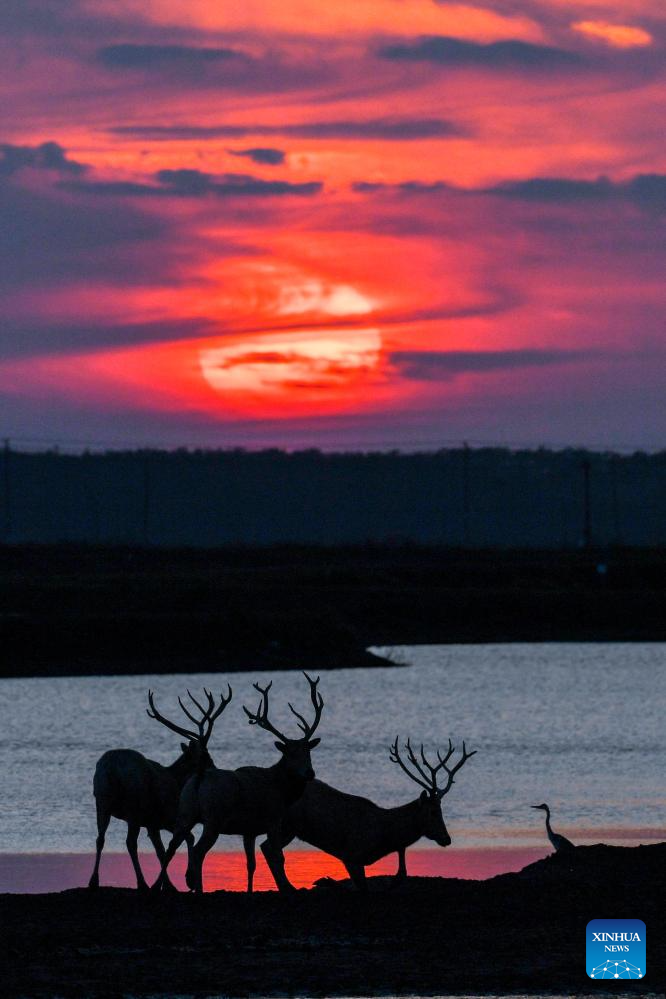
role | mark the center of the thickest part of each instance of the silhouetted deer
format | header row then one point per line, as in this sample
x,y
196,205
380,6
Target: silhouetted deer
x,y
357,831
248,801
142,792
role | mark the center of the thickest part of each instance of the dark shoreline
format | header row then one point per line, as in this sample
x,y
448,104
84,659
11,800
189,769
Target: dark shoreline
x,y
521,932
81,610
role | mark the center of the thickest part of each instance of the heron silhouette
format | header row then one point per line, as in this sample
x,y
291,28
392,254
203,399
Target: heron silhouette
x,y
560,843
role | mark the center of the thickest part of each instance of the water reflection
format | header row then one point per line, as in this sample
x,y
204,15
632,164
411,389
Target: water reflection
x,y
226,870
579,726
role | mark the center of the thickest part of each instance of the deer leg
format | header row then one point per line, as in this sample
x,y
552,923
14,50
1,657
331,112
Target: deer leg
x,y
131,841
285,838
357,874
401,873
103,819
272,851
189,839
250,842
194,875
156,840
177,838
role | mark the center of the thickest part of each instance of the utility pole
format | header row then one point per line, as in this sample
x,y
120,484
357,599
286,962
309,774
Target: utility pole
x,y
145,519
615,505
466,495
587,512
7,490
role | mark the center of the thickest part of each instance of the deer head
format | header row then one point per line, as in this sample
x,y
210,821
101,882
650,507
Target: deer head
x,y
295,752
195,750
425,774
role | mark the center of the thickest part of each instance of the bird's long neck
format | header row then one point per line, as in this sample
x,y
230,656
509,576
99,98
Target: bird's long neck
x,y
549,829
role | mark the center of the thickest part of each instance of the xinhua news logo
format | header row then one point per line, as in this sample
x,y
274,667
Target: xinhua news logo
x,y
615,949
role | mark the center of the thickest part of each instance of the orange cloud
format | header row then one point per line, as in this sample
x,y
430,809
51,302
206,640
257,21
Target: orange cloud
x,y
312,17
164,280
620,36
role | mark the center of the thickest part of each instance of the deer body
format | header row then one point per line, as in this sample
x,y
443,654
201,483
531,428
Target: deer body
x,y
135,788
248,801
357,831
144,793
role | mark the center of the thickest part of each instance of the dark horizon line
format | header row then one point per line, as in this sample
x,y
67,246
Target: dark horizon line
x,y
76,447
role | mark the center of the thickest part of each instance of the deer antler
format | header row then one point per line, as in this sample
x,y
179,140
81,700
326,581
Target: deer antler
x,y
454,770
426,773
260,716
318,704
394,754
204,724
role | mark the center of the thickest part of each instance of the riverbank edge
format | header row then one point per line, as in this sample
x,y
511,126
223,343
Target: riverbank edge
x,y
83,610
514,933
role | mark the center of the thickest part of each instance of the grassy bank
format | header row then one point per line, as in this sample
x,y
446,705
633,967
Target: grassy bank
x,y
69,609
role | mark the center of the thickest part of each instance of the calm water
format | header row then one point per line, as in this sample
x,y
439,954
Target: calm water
x,y
578,726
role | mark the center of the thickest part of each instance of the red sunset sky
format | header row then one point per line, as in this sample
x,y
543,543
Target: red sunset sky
x,y
390,222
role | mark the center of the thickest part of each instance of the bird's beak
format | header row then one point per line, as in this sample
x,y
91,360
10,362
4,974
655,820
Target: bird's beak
x,y
535,806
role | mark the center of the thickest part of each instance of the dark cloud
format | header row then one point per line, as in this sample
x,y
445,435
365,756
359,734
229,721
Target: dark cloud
x,y
261,357
196,184
512,54
402,129
49,18
115,188
47,240
129,56
395,129
161,67
47,156
432,365
649,189
65,22
261,155
405,187
21,338
556,189
646,190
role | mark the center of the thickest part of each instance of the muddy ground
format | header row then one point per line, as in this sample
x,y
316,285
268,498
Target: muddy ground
x,y
521,932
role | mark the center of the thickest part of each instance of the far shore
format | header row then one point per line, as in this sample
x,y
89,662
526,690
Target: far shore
x,y
83,610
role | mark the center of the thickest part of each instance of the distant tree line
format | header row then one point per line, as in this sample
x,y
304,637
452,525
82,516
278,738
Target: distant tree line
x,y
487,497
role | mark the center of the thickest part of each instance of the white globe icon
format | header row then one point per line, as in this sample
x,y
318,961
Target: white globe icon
x,y
616,969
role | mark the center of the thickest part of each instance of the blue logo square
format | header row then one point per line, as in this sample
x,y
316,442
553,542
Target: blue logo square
x,y
615,949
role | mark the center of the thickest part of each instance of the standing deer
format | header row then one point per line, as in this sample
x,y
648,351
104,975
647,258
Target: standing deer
x,y
142,792
250,800
357,831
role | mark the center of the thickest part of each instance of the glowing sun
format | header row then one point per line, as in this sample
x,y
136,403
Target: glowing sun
x,y
293,366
